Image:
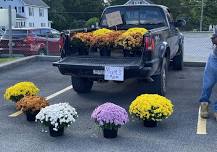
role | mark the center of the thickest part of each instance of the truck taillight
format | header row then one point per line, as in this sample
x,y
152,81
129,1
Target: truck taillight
x,y
149,43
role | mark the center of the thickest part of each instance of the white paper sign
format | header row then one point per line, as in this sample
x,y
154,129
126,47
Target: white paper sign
x,y
114,19
114,73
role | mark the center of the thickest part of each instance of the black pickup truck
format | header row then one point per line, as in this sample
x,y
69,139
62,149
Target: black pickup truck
x,y
162,45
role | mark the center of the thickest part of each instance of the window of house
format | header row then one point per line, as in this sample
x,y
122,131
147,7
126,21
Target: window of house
x,y
31,11
22,9
16,9
41,12
19,9
43,24
31,24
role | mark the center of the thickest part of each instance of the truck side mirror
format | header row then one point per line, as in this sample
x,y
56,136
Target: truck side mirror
x,y
180,23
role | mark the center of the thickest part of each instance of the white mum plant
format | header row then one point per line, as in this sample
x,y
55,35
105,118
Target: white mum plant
x,y
57,115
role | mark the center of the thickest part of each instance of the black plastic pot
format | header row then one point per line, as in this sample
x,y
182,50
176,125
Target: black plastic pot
x,y
150,123
110,133
83,52
54,133
105,52
30,115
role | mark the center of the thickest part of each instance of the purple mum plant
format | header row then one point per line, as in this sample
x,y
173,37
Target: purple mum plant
x,y
110,116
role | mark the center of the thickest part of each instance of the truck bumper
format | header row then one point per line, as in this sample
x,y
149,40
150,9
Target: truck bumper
x,y
84,67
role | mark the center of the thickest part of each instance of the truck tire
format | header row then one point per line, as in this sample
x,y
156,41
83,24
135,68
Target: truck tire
x,y
42,52
178,59
82,85
160,81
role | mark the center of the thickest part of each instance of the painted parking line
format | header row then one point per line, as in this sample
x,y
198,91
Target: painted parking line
x,y
58,93
47,98
201,125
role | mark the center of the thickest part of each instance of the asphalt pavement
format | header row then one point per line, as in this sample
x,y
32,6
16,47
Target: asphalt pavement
x,y
176,134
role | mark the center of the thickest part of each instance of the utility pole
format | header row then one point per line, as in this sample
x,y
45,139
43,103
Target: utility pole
x,y
201,18
10,31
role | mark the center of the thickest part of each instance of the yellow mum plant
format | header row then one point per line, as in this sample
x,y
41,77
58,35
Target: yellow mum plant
x,y
19,90
151,107
132,38
102,32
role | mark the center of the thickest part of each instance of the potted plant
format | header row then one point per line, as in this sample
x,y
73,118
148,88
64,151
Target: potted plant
x,y
103,39
57,117
31,105
110,117
131,41
82,42
151,108
19,90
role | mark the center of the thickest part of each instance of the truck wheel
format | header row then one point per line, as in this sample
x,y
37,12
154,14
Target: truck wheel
x,y
160,81
82,85
42,52
178,60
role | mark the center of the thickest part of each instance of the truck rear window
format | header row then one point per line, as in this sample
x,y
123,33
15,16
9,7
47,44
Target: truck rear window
x,y
16,34
137,15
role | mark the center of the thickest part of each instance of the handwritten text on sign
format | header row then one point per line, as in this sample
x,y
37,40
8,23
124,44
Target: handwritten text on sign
x,y
114,18
114,73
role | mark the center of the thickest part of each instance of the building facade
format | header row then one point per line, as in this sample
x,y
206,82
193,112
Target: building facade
x,y
29,13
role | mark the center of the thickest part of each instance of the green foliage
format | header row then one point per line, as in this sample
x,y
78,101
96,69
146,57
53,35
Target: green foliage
x,y
68,14
92,21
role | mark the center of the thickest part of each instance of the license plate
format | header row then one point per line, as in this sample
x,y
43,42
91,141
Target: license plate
x,y
114,73
98,72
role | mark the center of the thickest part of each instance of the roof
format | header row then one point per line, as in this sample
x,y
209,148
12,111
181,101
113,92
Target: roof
x,y
35,3
152,5
142,2
20,16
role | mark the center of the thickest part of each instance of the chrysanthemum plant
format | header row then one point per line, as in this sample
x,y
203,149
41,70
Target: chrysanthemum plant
x,y
151,107
19,90
110,116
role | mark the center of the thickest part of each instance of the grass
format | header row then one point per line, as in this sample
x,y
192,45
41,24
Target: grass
x,y
4,60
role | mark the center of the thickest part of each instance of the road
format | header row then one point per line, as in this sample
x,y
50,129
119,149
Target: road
x,y
178,133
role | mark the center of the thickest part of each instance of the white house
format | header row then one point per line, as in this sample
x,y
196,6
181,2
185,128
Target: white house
x,y
30,13
138,2
4,21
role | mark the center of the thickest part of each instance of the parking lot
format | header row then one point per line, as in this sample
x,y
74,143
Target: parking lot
x,y
178,133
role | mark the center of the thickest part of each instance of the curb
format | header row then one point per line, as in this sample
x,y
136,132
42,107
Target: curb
x,y
47,58
22,61
18,62
197,32
194,64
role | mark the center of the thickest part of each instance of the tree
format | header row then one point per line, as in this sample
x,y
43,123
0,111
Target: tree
x,y
54,15
92,21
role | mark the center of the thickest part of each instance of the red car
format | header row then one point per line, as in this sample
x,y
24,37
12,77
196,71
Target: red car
x,y
32,41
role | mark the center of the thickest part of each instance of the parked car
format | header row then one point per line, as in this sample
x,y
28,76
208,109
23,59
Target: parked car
x,y
162,45
1,32
32,41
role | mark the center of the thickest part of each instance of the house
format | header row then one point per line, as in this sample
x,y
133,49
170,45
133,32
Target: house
x,y
4,18
29,13
138,2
